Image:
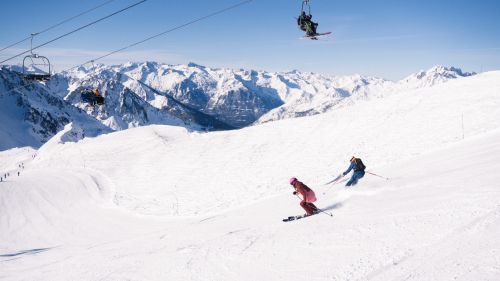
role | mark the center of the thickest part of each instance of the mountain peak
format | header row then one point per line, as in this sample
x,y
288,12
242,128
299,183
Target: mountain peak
x,y
192,64
436,74
449,71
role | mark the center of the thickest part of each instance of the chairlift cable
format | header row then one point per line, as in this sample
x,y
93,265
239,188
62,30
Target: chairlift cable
x,y
60,23
78,29
149,38
167,31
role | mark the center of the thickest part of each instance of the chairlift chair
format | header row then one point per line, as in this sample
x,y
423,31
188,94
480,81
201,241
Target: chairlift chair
x,y
34,70
39,69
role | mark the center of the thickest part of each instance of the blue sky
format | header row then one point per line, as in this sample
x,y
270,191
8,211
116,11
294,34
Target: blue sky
x,y
389,39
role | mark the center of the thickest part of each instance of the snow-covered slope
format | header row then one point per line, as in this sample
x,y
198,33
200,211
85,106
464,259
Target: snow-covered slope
x,y
408,123
163,203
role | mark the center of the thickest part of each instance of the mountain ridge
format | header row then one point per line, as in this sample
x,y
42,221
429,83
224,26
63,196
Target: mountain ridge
x,y
193,96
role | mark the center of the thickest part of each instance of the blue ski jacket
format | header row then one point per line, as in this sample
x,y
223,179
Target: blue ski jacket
x,y
354,167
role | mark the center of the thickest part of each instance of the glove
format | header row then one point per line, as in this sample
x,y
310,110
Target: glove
x,y
343,174
295,193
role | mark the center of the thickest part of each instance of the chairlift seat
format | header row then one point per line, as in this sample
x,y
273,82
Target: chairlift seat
x,y
37,77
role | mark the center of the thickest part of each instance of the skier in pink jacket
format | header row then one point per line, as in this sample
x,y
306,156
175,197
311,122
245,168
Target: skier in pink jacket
x,y
308,196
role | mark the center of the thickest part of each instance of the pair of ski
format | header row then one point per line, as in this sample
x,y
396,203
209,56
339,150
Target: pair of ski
x,y
293,218
315,36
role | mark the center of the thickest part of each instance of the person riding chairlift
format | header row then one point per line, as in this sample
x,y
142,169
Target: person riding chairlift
x,y
306,24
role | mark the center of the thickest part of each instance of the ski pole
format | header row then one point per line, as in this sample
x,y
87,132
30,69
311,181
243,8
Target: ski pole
x,y
335,179
325,212
377,175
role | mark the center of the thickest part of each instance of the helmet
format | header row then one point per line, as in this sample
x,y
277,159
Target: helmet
x,y
293,180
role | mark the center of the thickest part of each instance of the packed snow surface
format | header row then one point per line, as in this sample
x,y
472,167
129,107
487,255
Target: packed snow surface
x,y
163,203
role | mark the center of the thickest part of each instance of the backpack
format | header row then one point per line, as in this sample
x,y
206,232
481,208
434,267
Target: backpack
x,y
360,165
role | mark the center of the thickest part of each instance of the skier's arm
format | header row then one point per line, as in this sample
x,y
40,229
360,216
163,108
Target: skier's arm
x,y
300,189
349,169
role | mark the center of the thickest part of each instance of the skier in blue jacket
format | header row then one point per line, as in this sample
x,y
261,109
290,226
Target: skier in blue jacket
x,y
359,171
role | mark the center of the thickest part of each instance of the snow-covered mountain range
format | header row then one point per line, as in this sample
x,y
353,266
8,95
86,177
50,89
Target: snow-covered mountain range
x,y
31,114
191,96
